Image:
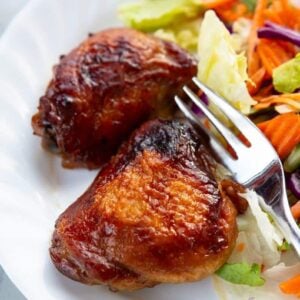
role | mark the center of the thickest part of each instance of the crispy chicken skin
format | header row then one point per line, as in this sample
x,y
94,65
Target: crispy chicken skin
x,y
155,213
105,88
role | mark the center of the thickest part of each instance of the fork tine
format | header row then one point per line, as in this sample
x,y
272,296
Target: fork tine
x,y
239,120
216,145
234,142
188,113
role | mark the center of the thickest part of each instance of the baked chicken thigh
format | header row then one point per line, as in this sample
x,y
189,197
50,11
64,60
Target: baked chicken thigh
x,y
105,88
155,213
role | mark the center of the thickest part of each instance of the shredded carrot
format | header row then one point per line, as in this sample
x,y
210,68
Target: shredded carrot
x,y
272,54
262,126
258,20
240,247
264,92
284,4
288,13
283,13
274,12
268,58
294,96
289,48
296,210
294,18
291,286
283,132
273,17
292,100
256,81
213,4
231,13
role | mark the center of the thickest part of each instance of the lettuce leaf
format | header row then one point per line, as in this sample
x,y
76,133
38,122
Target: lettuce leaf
x,y
286,77
220,67
150,15
242,273
184,34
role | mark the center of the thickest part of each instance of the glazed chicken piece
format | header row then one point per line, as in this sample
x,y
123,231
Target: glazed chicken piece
x,y
105,88
155,213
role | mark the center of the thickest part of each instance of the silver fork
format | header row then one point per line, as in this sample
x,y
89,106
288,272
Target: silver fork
x,y
256,166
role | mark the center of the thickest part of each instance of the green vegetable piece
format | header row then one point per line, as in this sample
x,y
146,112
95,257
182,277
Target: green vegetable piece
x,y
285,246
286,77
242,273
150,15
185,34
292,163
220,67
251,4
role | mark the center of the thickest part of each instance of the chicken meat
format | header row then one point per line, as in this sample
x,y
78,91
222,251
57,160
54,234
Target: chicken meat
x,y
156,213
104,89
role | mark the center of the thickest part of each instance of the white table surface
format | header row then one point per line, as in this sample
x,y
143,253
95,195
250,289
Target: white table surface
x,y
8,9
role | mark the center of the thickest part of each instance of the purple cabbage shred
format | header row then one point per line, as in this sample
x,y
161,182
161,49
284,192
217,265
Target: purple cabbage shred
x,y
293,183
271,30
195,109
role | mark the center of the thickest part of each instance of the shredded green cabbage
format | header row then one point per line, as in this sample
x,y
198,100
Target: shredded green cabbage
x,y
151,15
259,234
220,67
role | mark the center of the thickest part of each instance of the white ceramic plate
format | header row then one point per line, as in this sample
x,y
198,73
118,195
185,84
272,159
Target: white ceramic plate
x,y
34,188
